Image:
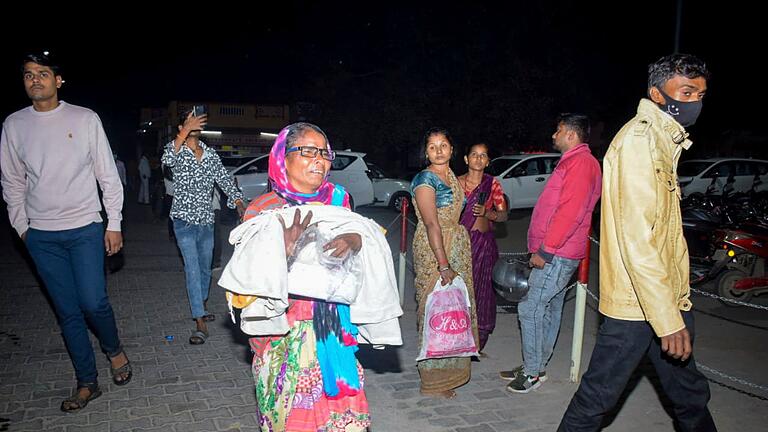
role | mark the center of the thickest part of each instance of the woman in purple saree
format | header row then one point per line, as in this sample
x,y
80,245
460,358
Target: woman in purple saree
x,y
485,205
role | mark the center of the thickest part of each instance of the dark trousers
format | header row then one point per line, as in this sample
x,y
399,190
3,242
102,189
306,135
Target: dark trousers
x,y
620,347
71,263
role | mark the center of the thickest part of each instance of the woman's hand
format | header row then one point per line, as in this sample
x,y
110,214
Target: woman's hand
x,y
447,276
478,210
290,235
343,243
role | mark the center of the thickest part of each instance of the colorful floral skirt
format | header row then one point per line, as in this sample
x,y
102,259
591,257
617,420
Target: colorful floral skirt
x,y
289,387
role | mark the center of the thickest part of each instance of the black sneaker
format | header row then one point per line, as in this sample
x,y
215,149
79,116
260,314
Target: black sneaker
x,y
512,374
523,384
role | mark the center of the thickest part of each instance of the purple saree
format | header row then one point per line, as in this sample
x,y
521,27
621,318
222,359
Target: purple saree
x,y
484,255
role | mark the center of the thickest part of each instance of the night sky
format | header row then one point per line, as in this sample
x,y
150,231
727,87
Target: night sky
x,y
378,76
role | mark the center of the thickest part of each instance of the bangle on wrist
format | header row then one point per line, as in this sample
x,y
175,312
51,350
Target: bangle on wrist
x,y
441,269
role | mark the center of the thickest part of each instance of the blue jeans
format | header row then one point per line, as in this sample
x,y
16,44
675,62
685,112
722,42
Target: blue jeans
x,y
71,263
620,347
541,310
196,245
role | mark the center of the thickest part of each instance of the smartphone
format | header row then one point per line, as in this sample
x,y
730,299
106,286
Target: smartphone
x,y
482,197
199,110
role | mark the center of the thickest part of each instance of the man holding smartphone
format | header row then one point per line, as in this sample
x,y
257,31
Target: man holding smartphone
x,y
196,167
557,240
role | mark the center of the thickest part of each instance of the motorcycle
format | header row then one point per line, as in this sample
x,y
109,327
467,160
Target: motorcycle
x,y
739,262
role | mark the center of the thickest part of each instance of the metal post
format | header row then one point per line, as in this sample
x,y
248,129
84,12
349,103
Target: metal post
x,y
403,249
578,316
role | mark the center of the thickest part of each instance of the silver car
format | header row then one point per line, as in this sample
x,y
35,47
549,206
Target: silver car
x,y
710,176
523,176
389,192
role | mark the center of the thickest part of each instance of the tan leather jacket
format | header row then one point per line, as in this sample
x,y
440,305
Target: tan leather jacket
x,y
643,255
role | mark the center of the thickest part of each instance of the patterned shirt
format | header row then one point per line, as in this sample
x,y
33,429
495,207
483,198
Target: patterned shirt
x,y
193,183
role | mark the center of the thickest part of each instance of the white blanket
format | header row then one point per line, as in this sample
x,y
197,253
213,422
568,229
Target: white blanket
x,y
258,268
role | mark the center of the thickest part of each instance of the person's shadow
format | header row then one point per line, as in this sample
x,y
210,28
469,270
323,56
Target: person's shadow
x,y
380,361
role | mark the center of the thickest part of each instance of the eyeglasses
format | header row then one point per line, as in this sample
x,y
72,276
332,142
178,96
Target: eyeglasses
x,y
311,152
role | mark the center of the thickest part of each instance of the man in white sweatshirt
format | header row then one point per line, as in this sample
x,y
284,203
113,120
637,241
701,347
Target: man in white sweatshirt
x,y
52,155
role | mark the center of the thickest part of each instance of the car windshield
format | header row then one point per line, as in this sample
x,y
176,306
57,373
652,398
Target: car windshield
x,y
692,168
376,171
499,165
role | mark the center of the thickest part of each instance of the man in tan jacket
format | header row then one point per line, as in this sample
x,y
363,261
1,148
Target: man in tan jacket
x,y
644,286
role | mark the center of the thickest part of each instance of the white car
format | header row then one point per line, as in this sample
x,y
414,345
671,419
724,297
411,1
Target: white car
x,y
387,191
523,176
232,162
347,169
709,176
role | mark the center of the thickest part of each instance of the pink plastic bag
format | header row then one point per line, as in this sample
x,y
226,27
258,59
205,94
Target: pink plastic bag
x,y
447,326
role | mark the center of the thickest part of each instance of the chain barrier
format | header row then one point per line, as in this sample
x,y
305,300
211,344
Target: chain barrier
x,y
732,378
725,299
699,365
716,372
502,254
704,293
592,295
397,218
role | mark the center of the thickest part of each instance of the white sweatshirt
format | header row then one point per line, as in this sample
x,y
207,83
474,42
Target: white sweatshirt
x,y
51,162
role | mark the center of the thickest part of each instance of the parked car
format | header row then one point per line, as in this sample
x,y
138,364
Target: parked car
x,y
523,176
348,170
698,175
389,192
231,162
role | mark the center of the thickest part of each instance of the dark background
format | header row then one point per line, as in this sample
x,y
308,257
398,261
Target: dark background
x,y
375,77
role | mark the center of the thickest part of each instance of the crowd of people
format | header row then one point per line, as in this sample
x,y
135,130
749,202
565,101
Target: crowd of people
x,y
305,332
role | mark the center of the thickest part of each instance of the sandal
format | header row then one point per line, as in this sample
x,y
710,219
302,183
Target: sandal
x,y
123,374
76,402
209,317
198,337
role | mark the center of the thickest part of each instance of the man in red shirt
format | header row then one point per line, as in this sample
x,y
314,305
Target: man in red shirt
x,y
557,239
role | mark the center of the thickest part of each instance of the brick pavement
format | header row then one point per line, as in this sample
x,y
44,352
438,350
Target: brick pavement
x,y
180,387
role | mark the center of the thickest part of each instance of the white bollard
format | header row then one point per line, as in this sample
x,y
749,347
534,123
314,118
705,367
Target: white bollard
x,y
578,330
401,278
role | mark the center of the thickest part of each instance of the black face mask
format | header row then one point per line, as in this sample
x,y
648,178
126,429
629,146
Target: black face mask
x,y
684,113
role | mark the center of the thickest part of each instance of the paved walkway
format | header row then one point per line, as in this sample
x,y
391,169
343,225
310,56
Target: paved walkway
x,y
180,387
